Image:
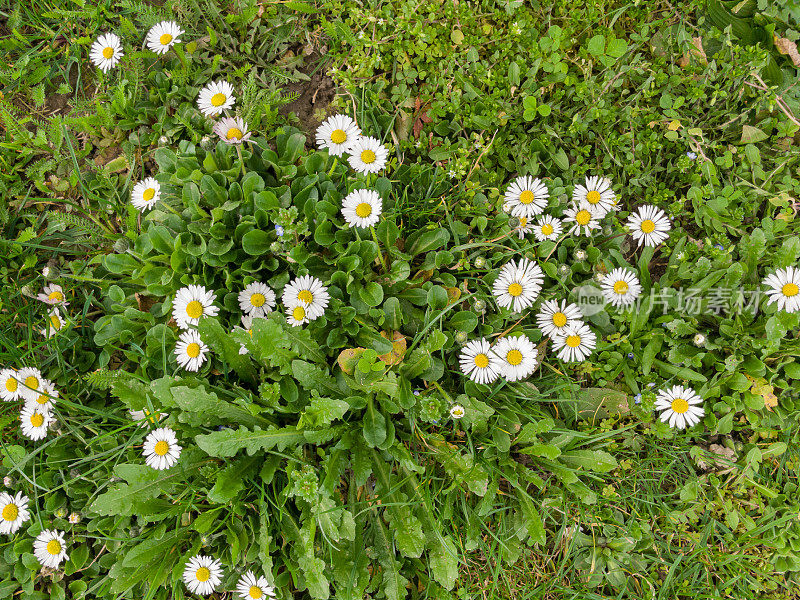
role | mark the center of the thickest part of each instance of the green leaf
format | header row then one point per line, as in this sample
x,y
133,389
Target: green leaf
x,y
393,312
230,481
616,47
593,460
464,320
323,411
212,333
255,242
544,450
597,45
408,534
311,377
533,522
371,294
228,442
200,406
374,426
430,240
443,560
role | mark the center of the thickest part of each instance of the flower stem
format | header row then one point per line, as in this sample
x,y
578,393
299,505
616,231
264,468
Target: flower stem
x,y
333,167
241,160
380,253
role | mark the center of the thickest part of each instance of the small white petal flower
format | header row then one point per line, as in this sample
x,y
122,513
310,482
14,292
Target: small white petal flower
x,y
202,575
308,292
621,287
215,97
29,379
251,587
10,386
525,227
547,228
53,294
518,284
145,194
145,414
784,289
649,225
553,319
367,155
518,357
161,450
257,299
597,194
163,35
191,303
457,412
680,406
699,339
46,396
296,315
362,208
232,130
50,548
190,350
526,197
55,323
13,512
337,133
479,363
575,343
74,518
34,421
106,51
584,219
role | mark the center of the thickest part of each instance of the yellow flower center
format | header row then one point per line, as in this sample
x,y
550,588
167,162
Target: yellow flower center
x,y
559,319
790,289
526,197
43,399
515,289
255,591
367,157
583,217
679,405
55,296
193,350
523,222
593,197
55,322
148,194
10,512
218,99
165,39
338,136
305,296
234,133
257,300
621,287
37,419
299,313
481,361
32,382
363,210
573,341
54,547
108,52
547,229
11,384
203,574
161,448
194,309
648,226
514,357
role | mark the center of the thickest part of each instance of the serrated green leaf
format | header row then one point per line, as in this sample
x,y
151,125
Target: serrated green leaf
x,y
228,442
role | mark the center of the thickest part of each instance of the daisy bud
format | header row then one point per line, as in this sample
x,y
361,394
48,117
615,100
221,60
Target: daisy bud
x,y
480,262
479,305
121,245
513,222
563,270
74,518
163,140
461,337
580,255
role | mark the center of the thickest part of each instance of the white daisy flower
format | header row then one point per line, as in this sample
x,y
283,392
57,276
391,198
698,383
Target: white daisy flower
x,y
55,323
190,351
34,421
29,379
46,396
596,193
13,512
145,194
478,362
191,303
457,412
518,284
202,575
526,197
74,518
53,294
232,130
784,289
575,343
215,97
9,385
553,319
621,287
106,51
161,450
337,133
518,357
367,155
525,227
256,299
649,225
680,406
141,415
163,35
251,587
50,548
699,339
308,292
297,315
583,218
362,208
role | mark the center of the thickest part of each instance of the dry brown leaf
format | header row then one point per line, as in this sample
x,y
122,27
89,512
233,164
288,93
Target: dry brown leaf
x,y
395,357
788,47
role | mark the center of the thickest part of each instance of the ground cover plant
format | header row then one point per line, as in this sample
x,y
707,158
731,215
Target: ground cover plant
x,y
399,300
